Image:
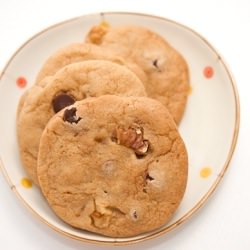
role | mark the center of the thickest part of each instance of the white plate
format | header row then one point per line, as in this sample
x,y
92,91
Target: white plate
x,y
209,127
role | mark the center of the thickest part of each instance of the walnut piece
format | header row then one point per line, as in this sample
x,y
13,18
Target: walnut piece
x,y
133,138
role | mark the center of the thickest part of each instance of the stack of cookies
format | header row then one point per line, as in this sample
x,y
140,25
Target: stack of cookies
x,y
98,132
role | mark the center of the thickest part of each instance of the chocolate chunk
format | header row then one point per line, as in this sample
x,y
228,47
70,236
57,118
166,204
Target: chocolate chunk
x,y
149,178
70,116
135,214
156,65
114,137
61,101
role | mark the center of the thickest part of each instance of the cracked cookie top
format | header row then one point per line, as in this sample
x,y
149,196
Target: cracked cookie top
x,y
113,165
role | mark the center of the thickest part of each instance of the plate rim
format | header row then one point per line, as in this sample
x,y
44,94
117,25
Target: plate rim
x,y
214,185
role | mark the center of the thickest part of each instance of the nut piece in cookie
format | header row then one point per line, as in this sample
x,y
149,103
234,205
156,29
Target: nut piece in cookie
x,y
72,83
133,138
101,185
73,53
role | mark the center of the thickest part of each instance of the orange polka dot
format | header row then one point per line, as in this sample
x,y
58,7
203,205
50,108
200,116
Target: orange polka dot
x,y
208,72
27,183
205,172
21,82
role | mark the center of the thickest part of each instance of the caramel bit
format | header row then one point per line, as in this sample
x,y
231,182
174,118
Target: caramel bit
x,y
96,33
133,138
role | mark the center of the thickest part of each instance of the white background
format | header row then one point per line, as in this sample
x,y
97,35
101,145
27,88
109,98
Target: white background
x,y
224,221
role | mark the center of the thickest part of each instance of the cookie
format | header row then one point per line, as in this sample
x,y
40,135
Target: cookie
x,y
73,82
77,52
166,70
116,166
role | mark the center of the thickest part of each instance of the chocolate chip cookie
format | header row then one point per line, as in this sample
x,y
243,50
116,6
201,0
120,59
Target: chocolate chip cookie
x,y
73,82
166,70
77,52
113,165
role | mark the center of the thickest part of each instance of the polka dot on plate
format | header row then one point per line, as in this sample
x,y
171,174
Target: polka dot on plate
x,y
208,72
205,172
21,82
26,183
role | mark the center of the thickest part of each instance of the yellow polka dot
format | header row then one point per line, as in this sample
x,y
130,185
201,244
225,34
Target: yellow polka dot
x,y
190,90
27,183
205,172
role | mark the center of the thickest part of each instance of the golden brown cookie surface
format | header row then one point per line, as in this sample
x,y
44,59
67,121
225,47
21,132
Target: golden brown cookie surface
x,y
77,52
113,165
165,68
73,82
